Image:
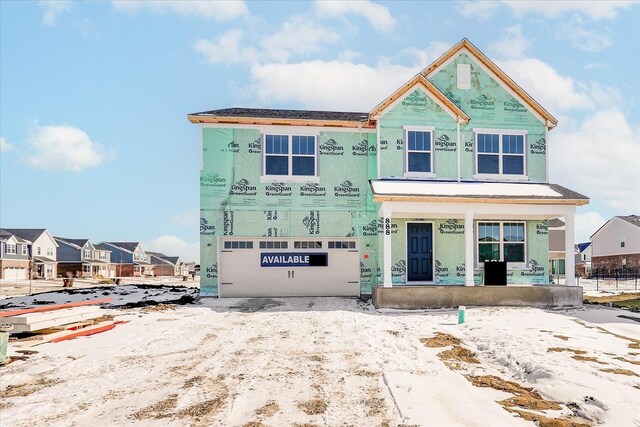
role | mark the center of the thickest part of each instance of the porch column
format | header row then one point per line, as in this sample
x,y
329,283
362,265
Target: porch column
x,y
386,247
569,251
468,249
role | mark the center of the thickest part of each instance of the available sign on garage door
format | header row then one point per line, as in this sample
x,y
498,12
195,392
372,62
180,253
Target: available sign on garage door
x,y
263,267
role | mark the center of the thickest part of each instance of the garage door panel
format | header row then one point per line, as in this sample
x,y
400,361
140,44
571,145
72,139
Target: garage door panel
x,y
289,268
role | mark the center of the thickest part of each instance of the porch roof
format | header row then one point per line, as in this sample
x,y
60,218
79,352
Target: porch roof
x,y
486,192
45,260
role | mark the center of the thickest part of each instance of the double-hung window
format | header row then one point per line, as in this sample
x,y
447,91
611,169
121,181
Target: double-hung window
x,y
11,249
501,241
290,156
419,150
500,153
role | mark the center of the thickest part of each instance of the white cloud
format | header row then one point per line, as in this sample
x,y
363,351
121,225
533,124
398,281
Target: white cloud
x,y
300,36
187,219
297,36
174,246
424,57
555,92
582,38
477,9
335,85
378,16
65,148
594,9
513,44
586,224
52,8
210,10
4,145
599,158
226,49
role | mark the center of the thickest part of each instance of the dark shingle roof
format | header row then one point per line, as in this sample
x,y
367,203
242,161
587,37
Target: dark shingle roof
x,y
78,242
129,246
30,234
157,259
631,219
268,113
583,246
5,235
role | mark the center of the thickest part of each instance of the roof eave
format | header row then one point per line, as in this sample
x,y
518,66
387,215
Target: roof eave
x,y
378,198
197,119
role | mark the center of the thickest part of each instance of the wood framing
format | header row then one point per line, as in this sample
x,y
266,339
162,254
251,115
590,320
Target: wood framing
x,y
492,200
431,90
282,122
501,75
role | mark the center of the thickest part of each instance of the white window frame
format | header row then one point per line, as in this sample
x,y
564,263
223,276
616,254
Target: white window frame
x,y
49,251
501,242
405,135
39,250
87,255
290,177
500,175
11,249
24,249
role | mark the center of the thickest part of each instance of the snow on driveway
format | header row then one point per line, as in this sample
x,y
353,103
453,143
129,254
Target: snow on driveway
x,y
325,362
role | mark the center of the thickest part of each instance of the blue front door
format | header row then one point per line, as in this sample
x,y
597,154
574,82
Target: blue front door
x,y
419,252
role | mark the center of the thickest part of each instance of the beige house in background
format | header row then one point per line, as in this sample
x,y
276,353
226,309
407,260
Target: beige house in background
x,y
616,245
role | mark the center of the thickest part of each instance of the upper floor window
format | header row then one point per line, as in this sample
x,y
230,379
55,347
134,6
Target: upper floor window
x,y
87,253
500,153
24,249
49,251
11,249
419,150
290,156
622,242
39,250
501,241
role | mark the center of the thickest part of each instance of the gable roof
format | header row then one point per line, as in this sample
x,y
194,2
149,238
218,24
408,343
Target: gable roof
x,y
501,75
76,242
430,89
631,219
167,259
127,246
583,246
6,235
30,234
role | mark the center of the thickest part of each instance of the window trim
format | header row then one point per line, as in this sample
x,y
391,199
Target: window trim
x,y
405,136
290,177
24,249
13,250
501,242
500,175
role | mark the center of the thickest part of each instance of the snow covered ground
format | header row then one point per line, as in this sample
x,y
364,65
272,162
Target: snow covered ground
x,y
327,361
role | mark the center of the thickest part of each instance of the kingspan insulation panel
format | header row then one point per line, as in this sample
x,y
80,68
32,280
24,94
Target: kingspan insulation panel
x,y
236,200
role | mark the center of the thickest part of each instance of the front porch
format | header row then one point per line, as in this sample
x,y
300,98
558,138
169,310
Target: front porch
x,y
422,297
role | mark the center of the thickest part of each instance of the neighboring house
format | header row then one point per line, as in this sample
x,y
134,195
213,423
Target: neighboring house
x,y
168,265
43,251
556,247
129,258
583,259
616,245
449,171
14,256
80,258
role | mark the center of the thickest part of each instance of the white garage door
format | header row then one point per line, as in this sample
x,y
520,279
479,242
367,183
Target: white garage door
x,y
13,273
259,267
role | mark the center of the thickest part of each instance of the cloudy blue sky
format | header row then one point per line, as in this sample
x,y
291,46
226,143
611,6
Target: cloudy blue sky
x,y
94,95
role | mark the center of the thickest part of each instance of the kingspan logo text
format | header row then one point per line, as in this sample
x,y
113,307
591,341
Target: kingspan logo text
x,y
231,147
360,149
313,190
243,188
331,148
255,146
278,189
227,223
482,102
346,189
444,143
212,181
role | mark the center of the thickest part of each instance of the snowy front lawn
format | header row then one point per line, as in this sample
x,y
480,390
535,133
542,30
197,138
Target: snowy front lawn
x,y
334,362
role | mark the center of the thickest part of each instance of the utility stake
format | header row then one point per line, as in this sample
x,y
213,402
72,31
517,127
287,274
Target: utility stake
x,y
461,311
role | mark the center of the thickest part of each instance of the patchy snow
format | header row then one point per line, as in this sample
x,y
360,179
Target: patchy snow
x,y
462,189
326,361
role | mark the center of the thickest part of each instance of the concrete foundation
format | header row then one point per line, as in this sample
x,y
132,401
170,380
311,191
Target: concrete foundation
x,y
418,297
